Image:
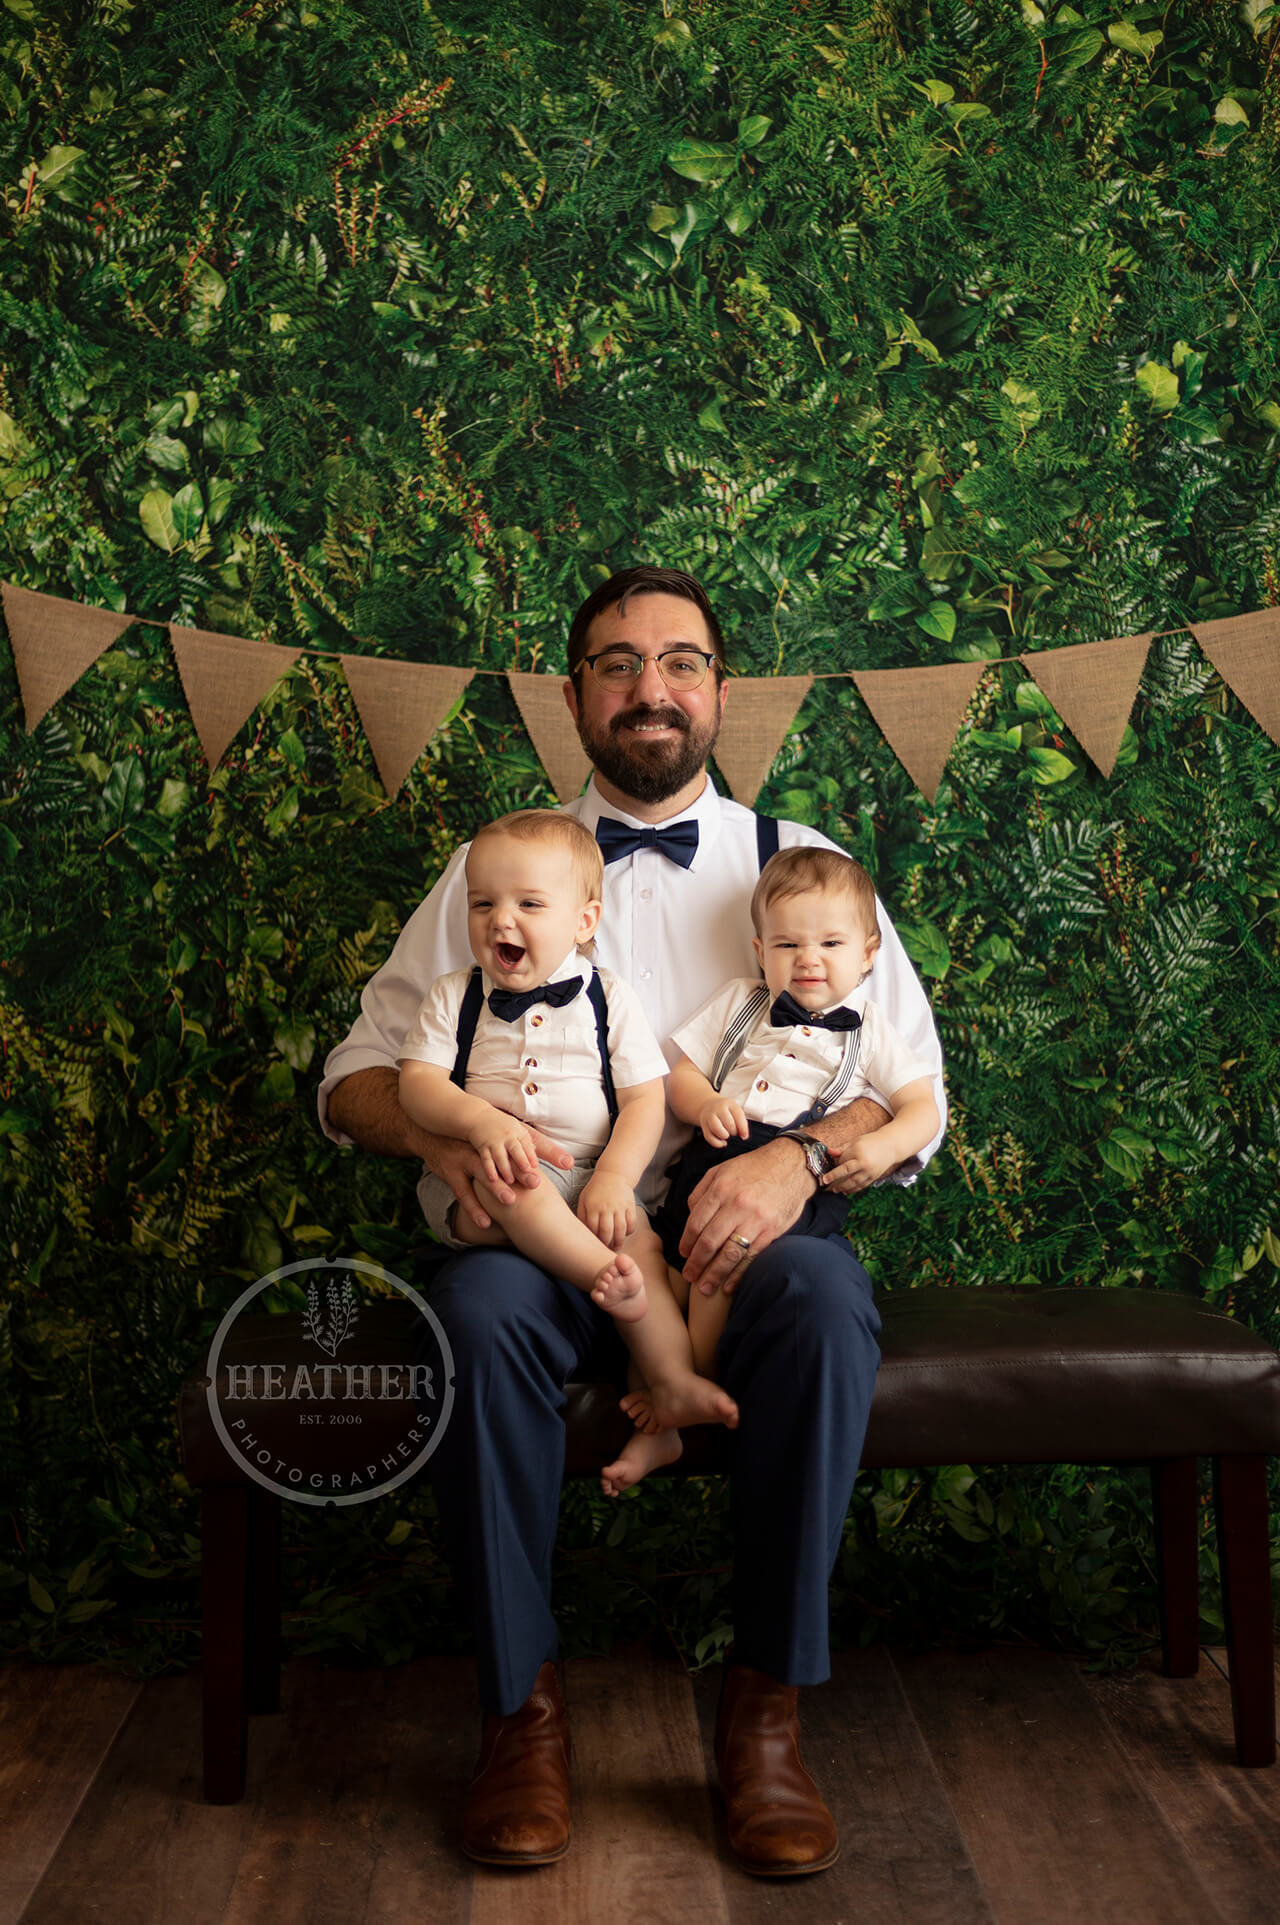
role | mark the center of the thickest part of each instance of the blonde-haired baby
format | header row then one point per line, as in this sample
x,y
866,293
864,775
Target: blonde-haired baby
x,y
763,1058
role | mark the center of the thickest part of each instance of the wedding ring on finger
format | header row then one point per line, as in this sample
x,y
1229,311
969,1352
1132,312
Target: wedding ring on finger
x,y
743,1243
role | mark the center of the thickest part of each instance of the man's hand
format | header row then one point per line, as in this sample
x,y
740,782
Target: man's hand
x,y
756,1197
453,1159
722,1119
607,1206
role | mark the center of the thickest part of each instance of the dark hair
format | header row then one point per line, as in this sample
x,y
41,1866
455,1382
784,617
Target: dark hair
x,y
643,579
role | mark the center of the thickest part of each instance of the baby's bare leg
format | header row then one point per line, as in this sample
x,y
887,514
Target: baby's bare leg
x,y
543,1227
707,1318
674,1392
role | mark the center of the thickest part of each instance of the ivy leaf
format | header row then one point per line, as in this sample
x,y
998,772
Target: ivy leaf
x,y
927,947
1048,766
938,619
702,160
230,438
753,129
155,511
187,510
1159,384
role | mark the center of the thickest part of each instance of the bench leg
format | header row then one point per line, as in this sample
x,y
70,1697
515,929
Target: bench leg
x,y
1175,1501
1244,1551
224,1579
263,1652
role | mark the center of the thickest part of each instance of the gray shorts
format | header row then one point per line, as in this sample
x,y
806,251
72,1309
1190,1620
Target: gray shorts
x,y
439,1203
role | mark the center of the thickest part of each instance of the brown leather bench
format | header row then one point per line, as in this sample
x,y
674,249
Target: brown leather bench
x,y
969,1376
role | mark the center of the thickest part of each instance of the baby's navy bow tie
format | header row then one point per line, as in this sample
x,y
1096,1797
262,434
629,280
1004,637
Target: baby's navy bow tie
x,y
509,1005
787,1010
679,843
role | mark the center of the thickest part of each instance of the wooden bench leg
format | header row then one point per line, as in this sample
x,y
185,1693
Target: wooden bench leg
x,y
1175,1502
224,1579
263,1631
1244,1551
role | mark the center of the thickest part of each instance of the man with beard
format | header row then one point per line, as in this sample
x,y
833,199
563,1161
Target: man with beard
x,y
647,690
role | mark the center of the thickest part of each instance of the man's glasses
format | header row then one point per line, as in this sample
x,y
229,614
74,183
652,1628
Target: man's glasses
x,y
618,668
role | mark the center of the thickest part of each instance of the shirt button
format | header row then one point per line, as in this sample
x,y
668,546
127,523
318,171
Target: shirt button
x,y
531,1062
645,894
803,1032
762,1084
645,975
531,1089
537,1022
791,1056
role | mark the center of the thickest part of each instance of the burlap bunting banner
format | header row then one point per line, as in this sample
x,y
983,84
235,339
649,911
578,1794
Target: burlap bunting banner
x,y
1246,653
224,677
1092,686
758,713
540,700
53,643
400,705
919,711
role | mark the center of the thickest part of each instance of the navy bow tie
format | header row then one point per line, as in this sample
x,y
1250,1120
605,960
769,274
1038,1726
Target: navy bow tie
x,y
786,1010
509,1005
679,843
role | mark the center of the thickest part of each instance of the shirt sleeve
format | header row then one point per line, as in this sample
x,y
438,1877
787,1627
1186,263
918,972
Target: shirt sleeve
x,y
885,1060
699,1039
635,1054
432,944
433,1033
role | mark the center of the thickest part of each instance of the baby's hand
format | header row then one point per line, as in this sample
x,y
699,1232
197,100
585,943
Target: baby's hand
x,y
607,1206
869,1159
721,1119
505,1147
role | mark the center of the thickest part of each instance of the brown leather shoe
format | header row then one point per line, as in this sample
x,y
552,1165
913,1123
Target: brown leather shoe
x,y
778,1824
517,1809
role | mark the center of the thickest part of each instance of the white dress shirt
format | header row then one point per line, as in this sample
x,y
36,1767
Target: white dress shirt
x,y
676,935
545,1067
781,1073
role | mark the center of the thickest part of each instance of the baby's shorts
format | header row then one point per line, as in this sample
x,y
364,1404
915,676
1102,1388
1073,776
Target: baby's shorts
x,y
439,1203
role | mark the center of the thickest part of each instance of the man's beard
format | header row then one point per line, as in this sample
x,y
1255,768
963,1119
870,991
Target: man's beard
x,y
644,770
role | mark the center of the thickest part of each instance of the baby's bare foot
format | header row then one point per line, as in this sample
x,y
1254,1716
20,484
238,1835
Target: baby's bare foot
x,y
675,1401
619,1289
638,1456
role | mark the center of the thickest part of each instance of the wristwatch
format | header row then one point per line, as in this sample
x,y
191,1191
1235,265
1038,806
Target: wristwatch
x,y
817,1157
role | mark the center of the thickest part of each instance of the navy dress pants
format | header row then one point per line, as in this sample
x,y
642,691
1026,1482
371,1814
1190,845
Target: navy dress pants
x,y
798,1354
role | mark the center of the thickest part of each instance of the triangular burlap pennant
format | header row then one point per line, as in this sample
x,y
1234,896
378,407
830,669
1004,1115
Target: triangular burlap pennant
x,y
919,711
1092,686
540,700
53,643
760,710
401,705
224,677
1246,653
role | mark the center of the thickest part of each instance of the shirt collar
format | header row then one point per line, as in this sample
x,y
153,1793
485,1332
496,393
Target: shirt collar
x,y
705,812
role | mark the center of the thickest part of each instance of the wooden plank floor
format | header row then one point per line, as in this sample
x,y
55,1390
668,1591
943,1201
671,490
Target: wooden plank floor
x,y
1006,1788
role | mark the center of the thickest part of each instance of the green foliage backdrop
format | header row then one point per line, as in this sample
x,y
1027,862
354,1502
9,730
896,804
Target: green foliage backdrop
x,y
922,333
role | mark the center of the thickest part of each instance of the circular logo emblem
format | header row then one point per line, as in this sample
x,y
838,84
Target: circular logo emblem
x,y
337,1392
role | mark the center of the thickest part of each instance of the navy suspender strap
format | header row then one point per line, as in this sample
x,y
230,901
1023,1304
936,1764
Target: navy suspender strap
x,y
766,838
468,1017
595,992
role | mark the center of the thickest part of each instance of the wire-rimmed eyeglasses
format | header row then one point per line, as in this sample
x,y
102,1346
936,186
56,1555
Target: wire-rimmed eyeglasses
x,y
678,667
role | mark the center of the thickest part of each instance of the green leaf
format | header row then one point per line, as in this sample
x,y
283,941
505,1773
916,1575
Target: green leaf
x,y
702,160
740,216
124,792
938,619
221,489
166,451
295,1038
155,511
1229,112
674,35
961,110
1159,384
661,216
233,439
938,91
398,1532
187,510
927,947
753,129
1123,34
39,1596
1030,699
57,164
1025,400
1048,766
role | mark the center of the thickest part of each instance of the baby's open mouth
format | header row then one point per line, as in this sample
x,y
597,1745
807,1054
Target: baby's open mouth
x,y
509,954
